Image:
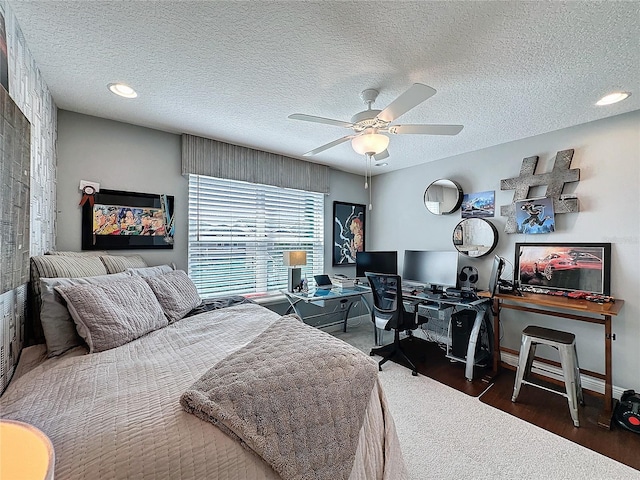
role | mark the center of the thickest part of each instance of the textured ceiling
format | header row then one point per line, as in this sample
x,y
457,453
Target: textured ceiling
x,y
234,70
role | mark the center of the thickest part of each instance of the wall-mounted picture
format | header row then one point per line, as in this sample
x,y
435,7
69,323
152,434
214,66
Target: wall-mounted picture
x,y
458,235
481,204
564,266
348,232
535,216
127,220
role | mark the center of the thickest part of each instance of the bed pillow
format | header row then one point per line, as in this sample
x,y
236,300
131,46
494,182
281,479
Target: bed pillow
x,y
176,293
114,313
119,263
59,328
150,271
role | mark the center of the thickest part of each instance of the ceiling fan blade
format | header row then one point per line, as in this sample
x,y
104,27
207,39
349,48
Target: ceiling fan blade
x,y
415,95
328,121
328,145
381,156
426,129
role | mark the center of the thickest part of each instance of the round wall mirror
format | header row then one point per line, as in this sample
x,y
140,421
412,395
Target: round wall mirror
x,y
443,197
475,237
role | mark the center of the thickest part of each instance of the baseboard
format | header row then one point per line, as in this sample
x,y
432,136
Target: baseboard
x,y
588,383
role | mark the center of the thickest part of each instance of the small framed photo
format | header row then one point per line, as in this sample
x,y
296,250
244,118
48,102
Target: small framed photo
x,y
564,266
478,205
349,220
117,220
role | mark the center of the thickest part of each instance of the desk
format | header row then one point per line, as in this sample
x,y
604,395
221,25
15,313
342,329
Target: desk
x,y
319,297
480,306
573,309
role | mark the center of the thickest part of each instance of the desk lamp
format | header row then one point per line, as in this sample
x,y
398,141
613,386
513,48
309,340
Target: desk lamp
x,y
293,259
25,452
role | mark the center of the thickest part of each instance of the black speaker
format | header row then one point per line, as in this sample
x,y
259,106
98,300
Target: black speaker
x,y
468,277
461,326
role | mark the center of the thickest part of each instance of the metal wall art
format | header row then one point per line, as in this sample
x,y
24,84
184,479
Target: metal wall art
x,y
554,180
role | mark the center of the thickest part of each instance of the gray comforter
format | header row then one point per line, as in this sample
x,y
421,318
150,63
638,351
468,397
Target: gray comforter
x,y
117,414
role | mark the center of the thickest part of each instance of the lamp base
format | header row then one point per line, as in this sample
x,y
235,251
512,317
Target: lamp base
x,y
294,278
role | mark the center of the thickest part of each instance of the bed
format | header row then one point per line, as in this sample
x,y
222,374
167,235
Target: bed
x,y
124,412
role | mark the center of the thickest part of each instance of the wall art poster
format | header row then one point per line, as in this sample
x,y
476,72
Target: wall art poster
x,y
15,179
564,266
481,204
348,232
127,220
535,216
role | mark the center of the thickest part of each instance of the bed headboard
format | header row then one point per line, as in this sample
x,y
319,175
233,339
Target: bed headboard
x,y
68,264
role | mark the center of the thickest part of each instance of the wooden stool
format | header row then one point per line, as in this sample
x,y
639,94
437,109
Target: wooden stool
x,y
565,343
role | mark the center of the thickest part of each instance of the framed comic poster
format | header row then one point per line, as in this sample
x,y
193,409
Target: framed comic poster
x,y
564,266
349,222
117,220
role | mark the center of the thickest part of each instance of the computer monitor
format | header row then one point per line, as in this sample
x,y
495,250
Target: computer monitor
x,y
438,269
496,272
376,262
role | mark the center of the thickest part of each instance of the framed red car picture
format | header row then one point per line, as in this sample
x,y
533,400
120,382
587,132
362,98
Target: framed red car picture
x,y
564,267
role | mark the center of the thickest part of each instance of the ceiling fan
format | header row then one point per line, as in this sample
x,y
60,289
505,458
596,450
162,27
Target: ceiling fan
x,y
369,126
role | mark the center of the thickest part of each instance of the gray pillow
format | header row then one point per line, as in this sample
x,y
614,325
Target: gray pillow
x,y
150,271
119,263
59,329
176,293
111,314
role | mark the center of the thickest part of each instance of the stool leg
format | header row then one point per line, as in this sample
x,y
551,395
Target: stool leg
x,y
523,359
569,372
578,379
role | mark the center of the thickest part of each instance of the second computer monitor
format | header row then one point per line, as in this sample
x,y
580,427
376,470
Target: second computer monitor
x,y
438,269
376,262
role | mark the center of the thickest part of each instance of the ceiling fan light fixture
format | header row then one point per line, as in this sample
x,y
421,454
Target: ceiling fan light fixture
x,y
122,90
612,98
370,143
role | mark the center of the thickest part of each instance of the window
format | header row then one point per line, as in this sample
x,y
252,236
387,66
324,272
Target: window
x,y
238,231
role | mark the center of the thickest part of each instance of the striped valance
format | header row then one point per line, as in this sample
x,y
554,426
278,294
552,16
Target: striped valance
x,y
203,156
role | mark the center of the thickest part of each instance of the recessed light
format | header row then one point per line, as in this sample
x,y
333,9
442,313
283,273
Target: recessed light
x,y
383,164
122,90
613,98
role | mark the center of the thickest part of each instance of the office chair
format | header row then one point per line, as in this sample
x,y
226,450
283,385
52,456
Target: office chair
x,y
389,313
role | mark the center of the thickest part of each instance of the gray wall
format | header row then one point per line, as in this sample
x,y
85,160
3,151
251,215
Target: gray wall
x,y
121,156
608,155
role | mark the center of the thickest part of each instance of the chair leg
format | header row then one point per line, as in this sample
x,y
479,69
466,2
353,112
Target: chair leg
x,y
569,372
523,364
395,350
578,379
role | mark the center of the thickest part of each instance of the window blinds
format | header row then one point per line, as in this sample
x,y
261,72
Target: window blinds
x,y
238,231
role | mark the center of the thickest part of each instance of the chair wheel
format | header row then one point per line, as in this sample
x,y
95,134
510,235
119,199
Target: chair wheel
x,y
414,373
371,354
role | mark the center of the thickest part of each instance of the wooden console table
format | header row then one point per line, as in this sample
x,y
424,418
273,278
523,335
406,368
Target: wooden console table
x,y
566,308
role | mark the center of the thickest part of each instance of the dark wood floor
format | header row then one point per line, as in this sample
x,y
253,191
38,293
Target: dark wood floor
x,y
431,362
536,406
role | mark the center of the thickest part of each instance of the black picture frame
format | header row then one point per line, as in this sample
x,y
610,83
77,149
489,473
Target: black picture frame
x,y
563,267
122,234
349,232
458,235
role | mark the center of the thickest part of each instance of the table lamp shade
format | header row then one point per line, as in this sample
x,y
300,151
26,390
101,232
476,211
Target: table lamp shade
x,y
25,452
294,258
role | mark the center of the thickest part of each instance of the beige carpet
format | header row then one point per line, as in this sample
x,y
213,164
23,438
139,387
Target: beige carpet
x,y
446,434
